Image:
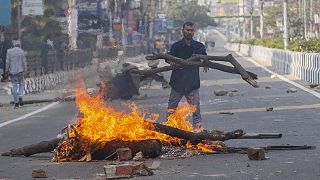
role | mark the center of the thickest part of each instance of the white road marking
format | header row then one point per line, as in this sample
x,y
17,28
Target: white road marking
x,y
29,114
263,109
316,94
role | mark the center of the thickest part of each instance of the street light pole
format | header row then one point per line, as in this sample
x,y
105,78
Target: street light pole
x,y
251,20
244,21
305,19
19,15
261,18
285,24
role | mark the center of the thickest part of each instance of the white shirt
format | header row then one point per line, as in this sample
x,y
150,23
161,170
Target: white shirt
x,y
16,61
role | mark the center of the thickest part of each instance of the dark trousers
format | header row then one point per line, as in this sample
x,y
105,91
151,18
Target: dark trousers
x,y
44,66
4,76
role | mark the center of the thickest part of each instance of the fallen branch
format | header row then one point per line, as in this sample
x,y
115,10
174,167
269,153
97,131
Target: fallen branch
x,y
202,61
41,147
35,101
213,135
269,148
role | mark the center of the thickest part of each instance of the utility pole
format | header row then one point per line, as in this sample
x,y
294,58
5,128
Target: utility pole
x,y
239,23
19,17
72,24
251,19
304,4
311,19
244,21
261,18
285,24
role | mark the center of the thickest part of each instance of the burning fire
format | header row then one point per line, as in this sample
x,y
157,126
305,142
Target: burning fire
x,y
99,123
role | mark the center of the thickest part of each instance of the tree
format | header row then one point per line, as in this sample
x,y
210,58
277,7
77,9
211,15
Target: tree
x,y
189,11
35,28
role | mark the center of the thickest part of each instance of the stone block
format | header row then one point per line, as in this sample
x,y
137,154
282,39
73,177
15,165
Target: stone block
x,y
39,173
256,154
124,154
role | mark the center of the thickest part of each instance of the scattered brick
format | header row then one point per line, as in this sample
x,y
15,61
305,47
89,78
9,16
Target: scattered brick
x,y
124,154
256,154
127,170
39,173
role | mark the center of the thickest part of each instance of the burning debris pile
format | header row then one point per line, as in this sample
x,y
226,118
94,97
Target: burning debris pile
x,y
100,130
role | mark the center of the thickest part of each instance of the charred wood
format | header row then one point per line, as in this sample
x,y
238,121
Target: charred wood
x,y
204,61
197,137
150,148
41,147
270,148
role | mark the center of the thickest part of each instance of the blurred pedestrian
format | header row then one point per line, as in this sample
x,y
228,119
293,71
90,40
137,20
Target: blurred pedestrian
x,y
4,46
60,54
16,67
45,47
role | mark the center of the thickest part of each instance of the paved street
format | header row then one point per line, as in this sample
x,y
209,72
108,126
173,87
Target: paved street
x,y
295,115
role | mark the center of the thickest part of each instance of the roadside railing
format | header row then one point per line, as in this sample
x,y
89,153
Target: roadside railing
x,y
112,52
304,66
66,61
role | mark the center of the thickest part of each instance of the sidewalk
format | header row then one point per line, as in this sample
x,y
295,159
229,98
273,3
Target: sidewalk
x,y
6,98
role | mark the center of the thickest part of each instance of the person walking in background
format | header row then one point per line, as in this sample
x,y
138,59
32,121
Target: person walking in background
x,y
16,66
45,47
186,81
60,54
4,46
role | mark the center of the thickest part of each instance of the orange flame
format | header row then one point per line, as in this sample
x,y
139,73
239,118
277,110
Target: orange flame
x,y
101,123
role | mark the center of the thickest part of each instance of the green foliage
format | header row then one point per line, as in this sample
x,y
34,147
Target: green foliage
x,y
311,46
305,46
184,11
273,20
270,43
36,28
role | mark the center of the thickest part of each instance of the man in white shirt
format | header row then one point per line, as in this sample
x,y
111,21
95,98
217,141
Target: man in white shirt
x,y
16,66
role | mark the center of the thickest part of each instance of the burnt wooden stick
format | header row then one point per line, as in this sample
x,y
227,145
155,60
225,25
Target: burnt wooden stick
x,y
229,58
47,100
261,136
212,65
196,137
269,148
199,57
245,76
196,60
43,146
36,101
229,69
167,57
150,148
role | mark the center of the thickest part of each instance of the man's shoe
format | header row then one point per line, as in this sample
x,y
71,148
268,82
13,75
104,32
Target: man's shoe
x,y
16,105
197,128
21,101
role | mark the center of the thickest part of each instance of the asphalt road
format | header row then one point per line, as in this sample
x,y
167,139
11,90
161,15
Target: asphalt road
x,y
295,115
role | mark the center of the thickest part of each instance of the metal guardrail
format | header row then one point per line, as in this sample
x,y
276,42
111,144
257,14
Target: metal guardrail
x,y
112,52
304,66
69,60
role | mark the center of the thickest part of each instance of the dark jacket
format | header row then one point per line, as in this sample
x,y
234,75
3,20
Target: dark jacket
x,y
186,79
44,51
4,46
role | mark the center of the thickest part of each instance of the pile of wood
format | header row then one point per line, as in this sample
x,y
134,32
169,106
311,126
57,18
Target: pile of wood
x,y
126,84
202,61
150,147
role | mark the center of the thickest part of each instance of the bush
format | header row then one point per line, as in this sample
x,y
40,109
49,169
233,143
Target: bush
x,y
312,46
